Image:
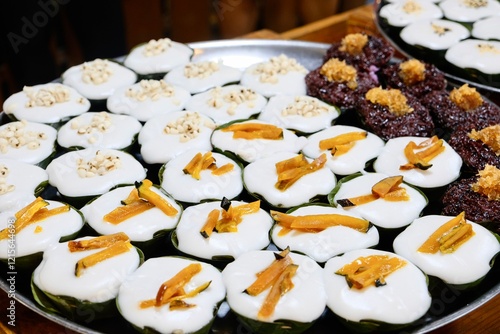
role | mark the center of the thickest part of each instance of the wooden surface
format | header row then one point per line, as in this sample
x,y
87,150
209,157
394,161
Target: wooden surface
x,y
483,320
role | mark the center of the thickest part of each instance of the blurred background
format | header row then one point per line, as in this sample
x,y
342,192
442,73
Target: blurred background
x,y
42,38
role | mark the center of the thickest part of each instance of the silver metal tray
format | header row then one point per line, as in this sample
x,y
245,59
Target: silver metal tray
x,y
448,304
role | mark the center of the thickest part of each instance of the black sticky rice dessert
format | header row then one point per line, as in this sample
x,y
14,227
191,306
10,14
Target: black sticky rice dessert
x,y
390,113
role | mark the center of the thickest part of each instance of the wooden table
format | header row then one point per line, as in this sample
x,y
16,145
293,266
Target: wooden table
x,y
483,320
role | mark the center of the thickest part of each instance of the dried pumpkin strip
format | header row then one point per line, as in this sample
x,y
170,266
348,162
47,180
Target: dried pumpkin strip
x,y
254,131
287,178
24,216
387,185
205,162
122,213
370,270
45,213
115,249
270,274
449,236
210,223
282,285
97,242
387,189
295,162
419,156
223,169
145,192
342,143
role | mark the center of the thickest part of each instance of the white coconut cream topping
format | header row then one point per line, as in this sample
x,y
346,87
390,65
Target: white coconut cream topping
x,y
252,232
305,302
260,178
228,103
483,56
148,98
98,79
403,299
469,10
98,283
141,227
299,112
164,137
434,34
101,129
468,263
251,150
46,103
323,245
444,170
197,77
27,141
37,237
487,28
158,56
18,183
185,188
355,159
93,171
144,284
402,13
380,211
278,75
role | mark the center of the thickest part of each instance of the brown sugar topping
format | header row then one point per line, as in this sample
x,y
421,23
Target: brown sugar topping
x,y
412,71
338,71
490,136
488,183
353,43
390,98
465,97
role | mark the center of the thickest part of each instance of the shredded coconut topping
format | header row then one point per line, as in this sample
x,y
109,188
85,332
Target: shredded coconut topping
x,y
155,47
201,70
304,106
4,187
353,43
412,71
100,164
488,183
475,3
150,89
234,98
490,136
488,48
338,71
466,98
187,127
269,71
411,7
100,122
46,97
439,30
96,72
14,135
391,98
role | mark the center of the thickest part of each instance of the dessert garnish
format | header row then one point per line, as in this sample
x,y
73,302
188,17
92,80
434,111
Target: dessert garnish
x,y
235,98
317,222
155,47
200,70
150,89
101,164
248,130
304,106
46,97
466,98
4,186
393,99
186,126
440,30
475,3
268,71
101,122
342,143
291,170
488,183
96,72
411,7
412,71
336,70
370,270
205,161
420,155
14,135
353,43
449,236
490,136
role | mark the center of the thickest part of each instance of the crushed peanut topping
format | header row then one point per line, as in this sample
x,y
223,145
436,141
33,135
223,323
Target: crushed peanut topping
x,y
353,43
235,98
269,71
412,71
99,165
96,72
475,3
187,127
489,136
390,98
304,106
201,70
150,89
14,135
466,98
411,7
488,48
4,187
155,47
46,97
338,71
488,183
100,122
439,30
